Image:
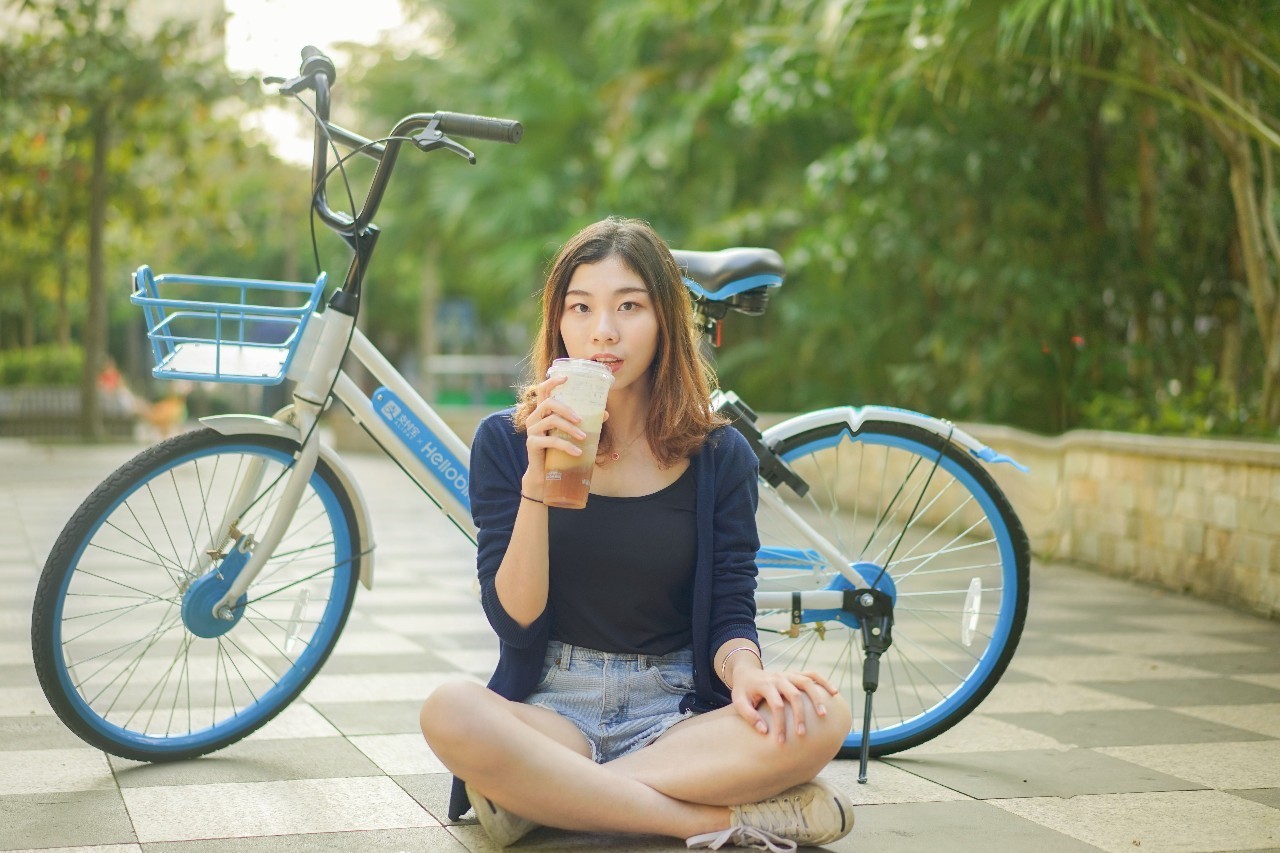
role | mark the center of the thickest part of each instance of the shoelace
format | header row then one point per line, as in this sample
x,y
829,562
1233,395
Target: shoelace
x,y
783,815
743,836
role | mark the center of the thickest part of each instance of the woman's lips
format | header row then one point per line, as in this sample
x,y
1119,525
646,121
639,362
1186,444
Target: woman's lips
x,y
614,364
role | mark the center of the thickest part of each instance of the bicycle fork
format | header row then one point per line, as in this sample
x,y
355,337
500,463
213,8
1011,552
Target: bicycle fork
x,y
309,400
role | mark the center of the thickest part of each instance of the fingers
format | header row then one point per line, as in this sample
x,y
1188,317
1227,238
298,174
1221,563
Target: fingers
x,y
548,405
559,424
543,389
788,695
822,682
818,690
812,686
766,693
553,423
796,697
746,709
781,691
800,685
778,707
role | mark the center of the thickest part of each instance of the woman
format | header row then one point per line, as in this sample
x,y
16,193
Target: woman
x,y
630,695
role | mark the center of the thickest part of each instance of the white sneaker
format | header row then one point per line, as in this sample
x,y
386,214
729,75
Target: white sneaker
x,y
502,827
809,814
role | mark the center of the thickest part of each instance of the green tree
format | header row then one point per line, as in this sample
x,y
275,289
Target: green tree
x,y
990,210
632,120
1211,60
119,90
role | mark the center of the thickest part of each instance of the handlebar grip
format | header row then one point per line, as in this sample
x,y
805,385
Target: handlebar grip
x,y
314,61
481,127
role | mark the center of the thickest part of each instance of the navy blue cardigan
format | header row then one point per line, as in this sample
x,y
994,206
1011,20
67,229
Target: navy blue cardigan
x,y
724,575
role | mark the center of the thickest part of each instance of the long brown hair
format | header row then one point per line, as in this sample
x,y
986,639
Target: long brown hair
x,y
680,415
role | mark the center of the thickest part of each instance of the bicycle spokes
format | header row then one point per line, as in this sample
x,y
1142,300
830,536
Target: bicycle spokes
x,y
143,658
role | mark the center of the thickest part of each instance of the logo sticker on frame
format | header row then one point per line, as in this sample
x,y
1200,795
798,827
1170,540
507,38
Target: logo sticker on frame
x,y
446,467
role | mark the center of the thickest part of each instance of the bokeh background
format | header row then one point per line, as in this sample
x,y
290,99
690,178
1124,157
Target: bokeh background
x,y
1049,214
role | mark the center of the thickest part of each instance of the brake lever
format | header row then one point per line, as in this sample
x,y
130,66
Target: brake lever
x,y
290,87
432,137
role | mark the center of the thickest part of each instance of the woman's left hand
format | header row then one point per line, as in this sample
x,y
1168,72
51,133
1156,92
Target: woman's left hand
x,y
757,690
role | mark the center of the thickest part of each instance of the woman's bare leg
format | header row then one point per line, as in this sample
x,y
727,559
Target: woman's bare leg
x,y
679,786
535,763
719,759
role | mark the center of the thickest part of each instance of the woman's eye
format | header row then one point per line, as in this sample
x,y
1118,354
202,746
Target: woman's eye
x,y
628,306
577,308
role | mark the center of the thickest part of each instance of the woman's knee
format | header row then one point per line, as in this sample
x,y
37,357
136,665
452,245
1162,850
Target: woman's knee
x,y
836,725
449,714
824,735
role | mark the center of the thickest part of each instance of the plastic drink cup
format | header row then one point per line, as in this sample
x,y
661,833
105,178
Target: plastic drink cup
x,y
568,478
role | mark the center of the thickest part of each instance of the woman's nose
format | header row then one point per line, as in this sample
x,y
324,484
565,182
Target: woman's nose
x,y
605,329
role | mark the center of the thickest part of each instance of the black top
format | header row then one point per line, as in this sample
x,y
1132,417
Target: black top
x,y
622,571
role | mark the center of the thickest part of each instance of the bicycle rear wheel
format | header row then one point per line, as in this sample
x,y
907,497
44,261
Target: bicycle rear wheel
x,y
125,646
920,519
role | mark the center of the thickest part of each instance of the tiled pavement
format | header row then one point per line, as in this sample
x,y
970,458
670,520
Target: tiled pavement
x,y
1131,719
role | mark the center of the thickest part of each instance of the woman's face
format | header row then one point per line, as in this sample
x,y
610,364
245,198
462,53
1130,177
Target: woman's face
x,y
610,317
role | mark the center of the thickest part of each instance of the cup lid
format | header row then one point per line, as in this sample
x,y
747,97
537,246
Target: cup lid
x,y
580,367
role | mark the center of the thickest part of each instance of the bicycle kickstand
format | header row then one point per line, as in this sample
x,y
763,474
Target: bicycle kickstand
x,y
875,611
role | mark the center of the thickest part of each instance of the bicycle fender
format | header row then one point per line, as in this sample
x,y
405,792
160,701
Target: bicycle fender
x,y
856,416
259,425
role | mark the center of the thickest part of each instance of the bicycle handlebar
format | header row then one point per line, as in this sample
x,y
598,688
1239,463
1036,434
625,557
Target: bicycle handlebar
x,y
314,61
318,73
481,127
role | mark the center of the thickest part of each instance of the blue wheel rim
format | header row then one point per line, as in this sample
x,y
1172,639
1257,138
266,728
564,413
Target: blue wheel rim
x,y
274,699
992,655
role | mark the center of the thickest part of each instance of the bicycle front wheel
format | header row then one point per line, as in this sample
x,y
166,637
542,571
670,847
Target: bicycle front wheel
x,y
920,519
126,645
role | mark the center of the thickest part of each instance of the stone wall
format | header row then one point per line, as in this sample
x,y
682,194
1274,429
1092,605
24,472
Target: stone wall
x,y
1196,515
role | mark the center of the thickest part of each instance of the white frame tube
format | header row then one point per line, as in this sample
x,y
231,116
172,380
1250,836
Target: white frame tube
x,y
361,408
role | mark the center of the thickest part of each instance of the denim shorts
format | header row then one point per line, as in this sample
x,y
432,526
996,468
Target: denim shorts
x,y
620,702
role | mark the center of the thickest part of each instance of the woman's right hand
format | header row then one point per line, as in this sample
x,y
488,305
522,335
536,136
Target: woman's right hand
x,y
548,416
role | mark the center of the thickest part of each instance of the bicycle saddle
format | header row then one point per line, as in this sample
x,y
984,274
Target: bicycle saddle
x,y
731,270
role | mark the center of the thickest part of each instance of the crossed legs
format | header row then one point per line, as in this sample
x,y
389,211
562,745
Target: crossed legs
x,y
536,763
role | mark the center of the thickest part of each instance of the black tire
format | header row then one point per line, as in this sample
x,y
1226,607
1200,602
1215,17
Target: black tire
x,y
922,519
123,588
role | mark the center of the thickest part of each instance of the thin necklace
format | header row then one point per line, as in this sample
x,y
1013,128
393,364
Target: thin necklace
x,y
615,455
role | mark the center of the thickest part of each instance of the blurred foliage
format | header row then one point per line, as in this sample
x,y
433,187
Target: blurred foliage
x,y
984,213
46,364
93,101
1020,211
1206,408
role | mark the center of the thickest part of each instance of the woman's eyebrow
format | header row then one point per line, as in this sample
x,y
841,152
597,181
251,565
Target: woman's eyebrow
x,y
619,292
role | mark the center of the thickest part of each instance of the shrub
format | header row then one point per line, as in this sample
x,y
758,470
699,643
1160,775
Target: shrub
x,y
49,364
1204,409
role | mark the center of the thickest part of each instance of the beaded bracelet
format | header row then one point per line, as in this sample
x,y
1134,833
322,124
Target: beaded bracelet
x,y
732,652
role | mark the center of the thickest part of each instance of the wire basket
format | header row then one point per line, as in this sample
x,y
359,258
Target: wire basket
x,y
211,329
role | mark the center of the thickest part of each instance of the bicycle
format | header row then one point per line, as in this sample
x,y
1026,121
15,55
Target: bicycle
x,y
197,590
